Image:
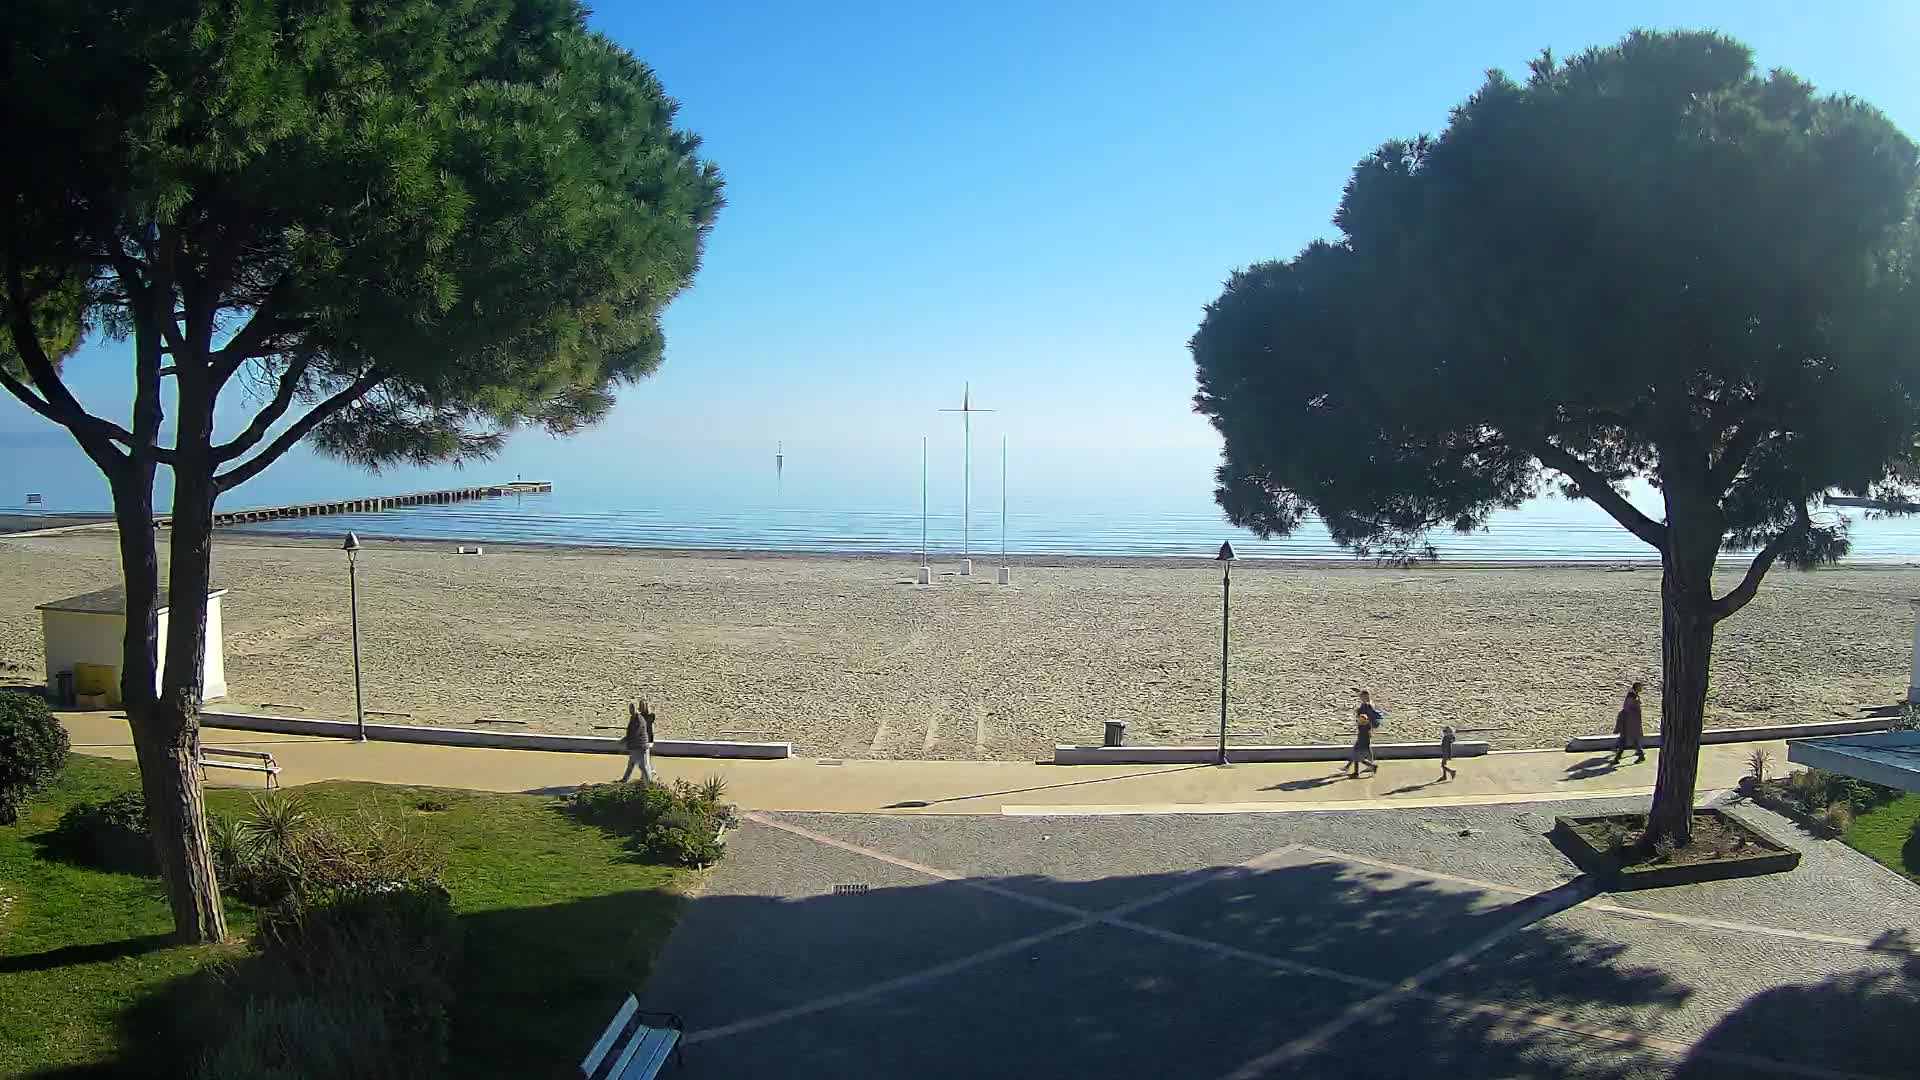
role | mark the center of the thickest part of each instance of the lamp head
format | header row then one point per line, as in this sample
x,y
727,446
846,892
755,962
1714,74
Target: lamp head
x,y
1226,552
351,544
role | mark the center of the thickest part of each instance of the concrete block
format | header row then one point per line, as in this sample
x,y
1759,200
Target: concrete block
x,y
1587,744
1190,755
498,740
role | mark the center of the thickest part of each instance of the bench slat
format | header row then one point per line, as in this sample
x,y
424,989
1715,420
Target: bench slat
x,y
605,1044
654,1045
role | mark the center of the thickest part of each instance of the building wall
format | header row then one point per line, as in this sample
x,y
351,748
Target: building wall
x,y
74,637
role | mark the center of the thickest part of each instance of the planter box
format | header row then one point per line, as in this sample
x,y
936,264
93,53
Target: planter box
x,y
1769,857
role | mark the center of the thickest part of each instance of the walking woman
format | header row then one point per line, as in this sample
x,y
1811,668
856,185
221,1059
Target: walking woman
x,y
1628,727
1365,718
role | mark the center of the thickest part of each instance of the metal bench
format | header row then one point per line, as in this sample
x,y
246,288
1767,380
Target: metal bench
x,y
258,761
635,1045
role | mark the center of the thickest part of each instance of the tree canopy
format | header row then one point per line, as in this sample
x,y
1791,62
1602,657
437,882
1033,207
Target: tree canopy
x,y
1650,261
396,228
409,226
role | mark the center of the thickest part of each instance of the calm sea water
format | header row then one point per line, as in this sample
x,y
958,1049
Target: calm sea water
x,y
1143,503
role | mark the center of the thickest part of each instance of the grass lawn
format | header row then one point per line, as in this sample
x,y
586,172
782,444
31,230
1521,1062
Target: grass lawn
x,y
1886,833
557,924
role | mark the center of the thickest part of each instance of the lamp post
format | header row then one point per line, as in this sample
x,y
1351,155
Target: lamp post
x,y
1225,559
352,547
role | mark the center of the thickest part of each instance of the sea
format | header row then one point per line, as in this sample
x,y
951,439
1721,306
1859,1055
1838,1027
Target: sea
x,y
799,497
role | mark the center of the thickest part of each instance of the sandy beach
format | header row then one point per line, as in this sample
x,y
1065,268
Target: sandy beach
x,y
848,658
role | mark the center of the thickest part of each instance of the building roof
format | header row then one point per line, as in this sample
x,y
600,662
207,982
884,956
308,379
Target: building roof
x,y
1891,758
111,601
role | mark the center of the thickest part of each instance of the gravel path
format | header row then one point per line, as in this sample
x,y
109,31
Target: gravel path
x,y
847,658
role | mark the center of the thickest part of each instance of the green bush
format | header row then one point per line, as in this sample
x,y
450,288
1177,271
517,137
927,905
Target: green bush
x,y
110,835
677,825
627,809
354,947
33,747
280,1038
1812,791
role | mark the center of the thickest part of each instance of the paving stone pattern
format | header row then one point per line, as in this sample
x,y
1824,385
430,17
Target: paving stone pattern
x,y
1296,945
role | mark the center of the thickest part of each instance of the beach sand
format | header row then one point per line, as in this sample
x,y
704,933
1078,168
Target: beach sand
x,y
845,657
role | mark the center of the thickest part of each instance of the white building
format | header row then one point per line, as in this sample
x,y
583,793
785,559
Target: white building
x,y
91,628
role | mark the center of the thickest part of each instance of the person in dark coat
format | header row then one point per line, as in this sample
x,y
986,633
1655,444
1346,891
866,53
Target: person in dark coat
x,y
1628,727
1366,718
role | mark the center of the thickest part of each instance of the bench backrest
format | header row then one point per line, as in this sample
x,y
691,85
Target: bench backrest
x,y
629,1049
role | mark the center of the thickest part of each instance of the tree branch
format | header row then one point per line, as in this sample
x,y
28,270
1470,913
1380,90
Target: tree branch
x,y
1733,457
55,401
1757,569
1595,487
246,345
247,470
268,416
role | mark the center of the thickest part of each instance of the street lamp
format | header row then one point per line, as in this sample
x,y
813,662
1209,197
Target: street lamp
x,y
352,547
1225,559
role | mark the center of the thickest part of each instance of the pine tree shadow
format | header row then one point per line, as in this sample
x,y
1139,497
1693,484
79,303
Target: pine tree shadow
x,y
1859,1022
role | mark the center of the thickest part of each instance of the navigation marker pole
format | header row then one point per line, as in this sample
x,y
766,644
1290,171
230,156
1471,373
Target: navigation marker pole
x,y
779,464
1005,576
966,411
926,571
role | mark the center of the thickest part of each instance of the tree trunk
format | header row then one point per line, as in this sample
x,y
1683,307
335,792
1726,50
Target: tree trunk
x,y
1686,651
165,744
180,822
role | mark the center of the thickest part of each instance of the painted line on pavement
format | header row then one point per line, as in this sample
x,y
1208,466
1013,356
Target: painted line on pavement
x,y
1548,903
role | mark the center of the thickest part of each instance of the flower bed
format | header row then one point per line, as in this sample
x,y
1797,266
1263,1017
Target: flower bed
x,y
1823,803
1612,848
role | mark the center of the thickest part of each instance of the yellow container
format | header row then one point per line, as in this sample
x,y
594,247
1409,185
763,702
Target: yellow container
x,y
98,679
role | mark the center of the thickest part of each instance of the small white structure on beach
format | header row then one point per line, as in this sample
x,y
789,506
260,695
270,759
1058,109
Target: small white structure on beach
x,y
90,628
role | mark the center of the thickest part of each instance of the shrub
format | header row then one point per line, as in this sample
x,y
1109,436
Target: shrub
x,y
621,808
33,748
354,950
1759,765
109,835
677,824
683,838
369,962
279,1038
1836,820
432,804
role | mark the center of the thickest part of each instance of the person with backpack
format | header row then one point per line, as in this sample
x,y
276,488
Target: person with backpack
x,y
1627,726
1447,771
639,741
1366,718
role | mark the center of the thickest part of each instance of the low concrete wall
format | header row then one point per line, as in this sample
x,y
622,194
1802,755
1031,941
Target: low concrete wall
x,y
1587,744
497,740
1206,755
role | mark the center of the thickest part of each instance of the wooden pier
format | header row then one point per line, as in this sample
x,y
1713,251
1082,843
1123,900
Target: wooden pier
x,y
373,504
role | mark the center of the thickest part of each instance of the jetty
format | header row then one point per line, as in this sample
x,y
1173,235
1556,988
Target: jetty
x,y
372,504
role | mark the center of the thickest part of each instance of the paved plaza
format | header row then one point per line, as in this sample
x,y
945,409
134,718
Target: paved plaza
x,y
1428,942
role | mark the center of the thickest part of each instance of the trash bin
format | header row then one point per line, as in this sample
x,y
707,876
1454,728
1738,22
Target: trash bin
x,y
1116,732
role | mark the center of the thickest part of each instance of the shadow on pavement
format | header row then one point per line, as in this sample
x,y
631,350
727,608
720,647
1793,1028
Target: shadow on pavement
x,y
777,976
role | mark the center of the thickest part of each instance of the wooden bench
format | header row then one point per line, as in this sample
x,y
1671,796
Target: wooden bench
x,y
635,1045
257,761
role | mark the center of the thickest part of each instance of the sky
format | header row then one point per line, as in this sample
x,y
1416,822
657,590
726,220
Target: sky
x,y
1036,199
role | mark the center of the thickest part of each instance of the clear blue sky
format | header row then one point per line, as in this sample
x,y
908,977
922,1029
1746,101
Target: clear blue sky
x,y
1041,197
